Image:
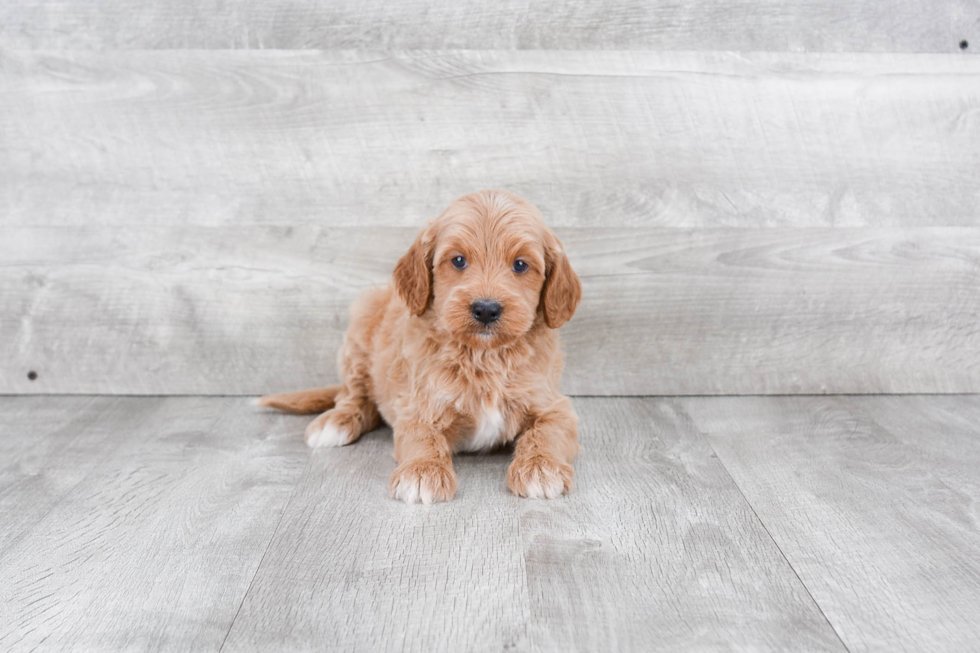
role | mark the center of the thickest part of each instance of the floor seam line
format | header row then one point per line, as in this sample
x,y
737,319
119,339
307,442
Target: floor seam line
x,y
774,542
268,546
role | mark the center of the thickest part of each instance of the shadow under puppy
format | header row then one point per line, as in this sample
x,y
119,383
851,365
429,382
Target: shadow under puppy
x,y
461,354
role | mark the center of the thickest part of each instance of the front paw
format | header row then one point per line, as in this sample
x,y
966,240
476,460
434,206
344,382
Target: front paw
x,y
327,431
425,481
539,477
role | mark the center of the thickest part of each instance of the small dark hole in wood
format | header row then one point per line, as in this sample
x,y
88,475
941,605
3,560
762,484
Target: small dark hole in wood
x,y
32,375
964,45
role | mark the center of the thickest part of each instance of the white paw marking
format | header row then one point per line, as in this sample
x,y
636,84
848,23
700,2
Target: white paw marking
x,y
488,431
407,490
426,495
539,489
329,436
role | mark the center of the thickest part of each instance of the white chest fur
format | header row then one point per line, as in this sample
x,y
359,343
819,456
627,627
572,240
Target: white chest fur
x,y
488,433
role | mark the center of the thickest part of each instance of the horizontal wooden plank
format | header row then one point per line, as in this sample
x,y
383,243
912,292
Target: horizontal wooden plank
x,y
161,529
655,544
596,139
873,500
792,25
247,310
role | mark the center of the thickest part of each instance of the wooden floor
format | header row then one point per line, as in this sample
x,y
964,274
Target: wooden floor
x,y
735,523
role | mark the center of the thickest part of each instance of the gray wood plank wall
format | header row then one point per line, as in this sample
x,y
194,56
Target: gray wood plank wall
x,y
593,138
786,25
204,310
197,221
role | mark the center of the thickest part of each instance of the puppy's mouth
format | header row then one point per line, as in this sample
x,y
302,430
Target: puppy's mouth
x,y
489,336
486,334
485,331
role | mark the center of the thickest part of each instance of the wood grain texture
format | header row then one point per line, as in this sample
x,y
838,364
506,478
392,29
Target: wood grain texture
x,y
135,524
596,139
181,310
201,523
873,500
47,447
655,550
795,25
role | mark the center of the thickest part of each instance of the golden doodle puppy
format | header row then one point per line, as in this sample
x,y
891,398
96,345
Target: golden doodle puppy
x,y
461,353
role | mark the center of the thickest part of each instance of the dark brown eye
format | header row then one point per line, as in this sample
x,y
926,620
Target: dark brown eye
x,y
459,262
520,266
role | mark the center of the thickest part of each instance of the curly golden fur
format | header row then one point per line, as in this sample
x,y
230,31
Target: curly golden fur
x,y
417,355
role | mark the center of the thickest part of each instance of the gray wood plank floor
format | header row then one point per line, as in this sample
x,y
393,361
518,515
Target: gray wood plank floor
x,y
874,501
737,523
145,519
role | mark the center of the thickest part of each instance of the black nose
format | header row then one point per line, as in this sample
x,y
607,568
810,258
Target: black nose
x,y
486,310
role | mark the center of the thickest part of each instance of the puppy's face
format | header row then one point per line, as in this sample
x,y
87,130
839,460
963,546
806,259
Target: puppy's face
x,y
488,268
487,279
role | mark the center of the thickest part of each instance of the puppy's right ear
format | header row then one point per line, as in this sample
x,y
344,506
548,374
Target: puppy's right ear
x,y
413,274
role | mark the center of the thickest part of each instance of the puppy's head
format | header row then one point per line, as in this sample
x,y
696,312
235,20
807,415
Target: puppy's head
x,y
488,269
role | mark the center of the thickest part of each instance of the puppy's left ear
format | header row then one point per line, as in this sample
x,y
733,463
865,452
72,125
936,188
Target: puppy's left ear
x,y
413,274
562,289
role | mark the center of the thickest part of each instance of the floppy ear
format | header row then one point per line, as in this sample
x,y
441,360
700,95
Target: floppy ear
x,y
413,274
562,289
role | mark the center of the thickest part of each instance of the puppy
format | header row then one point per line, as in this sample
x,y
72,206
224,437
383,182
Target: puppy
x,y
461,353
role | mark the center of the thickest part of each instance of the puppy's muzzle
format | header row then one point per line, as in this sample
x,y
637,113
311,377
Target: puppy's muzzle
x,y
486,311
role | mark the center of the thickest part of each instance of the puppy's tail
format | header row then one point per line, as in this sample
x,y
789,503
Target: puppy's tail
x,y
303,402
